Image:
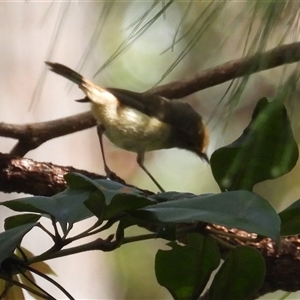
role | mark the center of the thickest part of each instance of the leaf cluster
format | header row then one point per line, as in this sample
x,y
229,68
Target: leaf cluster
x,y
197,247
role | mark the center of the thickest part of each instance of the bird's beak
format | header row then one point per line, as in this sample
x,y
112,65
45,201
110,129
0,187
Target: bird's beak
x,y
204,157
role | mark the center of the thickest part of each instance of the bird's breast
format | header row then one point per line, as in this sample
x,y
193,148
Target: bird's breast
x,y
131,129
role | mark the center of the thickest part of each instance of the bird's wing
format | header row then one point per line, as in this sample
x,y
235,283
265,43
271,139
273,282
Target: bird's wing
x,y
176,113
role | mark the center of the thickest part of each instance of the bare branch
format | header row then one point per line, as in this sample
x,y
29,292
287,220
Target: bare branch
x,y
31,136
285,54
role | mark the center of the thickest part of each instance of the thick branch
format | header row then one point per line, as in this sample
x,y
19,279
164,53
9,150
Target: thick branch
x,y
23,175
285,54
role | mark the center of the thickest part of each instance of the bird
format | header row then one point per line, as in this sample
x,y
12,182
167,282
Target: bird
x,y
140,121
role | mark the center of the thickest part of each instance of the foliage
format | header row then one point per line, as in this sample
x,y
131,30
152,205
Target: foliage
x,y
265,150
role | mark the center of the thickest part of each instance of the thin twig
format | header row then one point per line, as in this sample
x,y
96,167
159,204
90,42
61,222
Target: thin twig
x,y
46,230
98,244
25,287
32,281
41,274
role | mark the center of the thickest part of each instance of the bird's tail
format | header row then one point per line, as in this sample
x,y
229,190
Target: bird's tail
x,y
66,72
91,90
70,74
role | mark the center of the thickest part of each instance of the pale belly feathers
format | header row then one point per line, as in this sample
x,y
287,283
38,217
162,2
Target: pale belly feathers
x,y
130,129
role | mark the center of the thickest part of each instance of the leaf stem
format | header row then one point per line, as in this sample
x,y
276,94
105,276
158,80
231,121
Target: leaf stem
x,y
61,288
46,230
25,287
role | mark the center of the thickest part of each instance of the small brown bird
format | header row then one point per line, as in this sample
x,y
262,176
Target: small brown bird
x,y
140,122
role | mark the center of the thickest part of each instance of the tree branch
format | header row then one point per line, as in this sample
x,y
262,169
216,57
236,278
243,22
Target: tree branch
x,y
285,54
31,136
17,175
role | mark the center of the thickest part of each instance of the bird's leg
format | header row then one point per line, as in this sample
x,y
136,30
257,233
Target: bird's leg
x,y
100,130
140,161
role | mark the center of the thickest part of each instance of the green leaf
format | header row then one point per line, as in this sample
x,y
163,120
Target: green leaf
x,y
109,188
18,220
117,202
96,204
241,275
66,207
170,196
12,238
79,181
265,150
237,209
126,202
28,204
185,270
290,219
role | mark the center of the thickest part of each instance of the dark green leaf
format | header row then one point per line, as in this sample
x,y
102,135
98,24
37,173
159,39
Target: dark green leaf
x,y
12,238
237,209
19,220
290,219
241,275
28,204
170,196
79,181
66,207
109,188
167,232
126,222
185,270
126,202
118,202
96,204
265,150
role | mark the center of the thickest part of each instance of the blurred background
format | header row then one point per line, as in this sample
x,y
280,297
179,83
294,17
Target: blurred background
x,y
138,45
